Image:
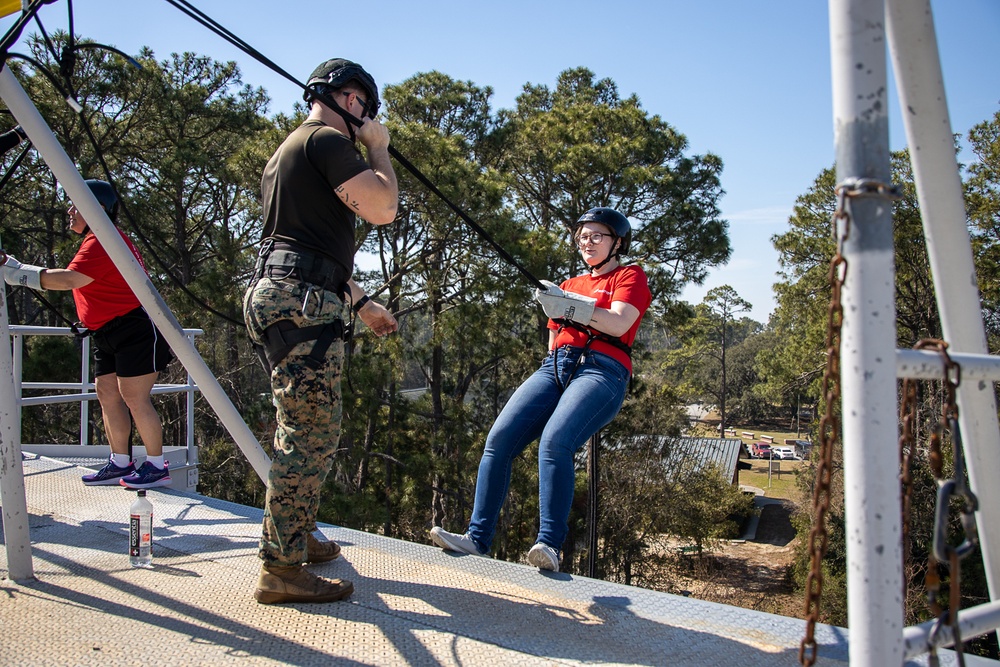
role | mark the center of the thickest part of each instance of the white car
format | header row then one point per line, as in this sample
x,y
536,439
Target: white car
x,y
785,453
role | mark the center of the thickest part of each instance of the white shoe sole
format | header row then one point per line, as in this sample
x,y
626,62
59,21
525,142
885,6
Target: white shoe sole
x,y
542,560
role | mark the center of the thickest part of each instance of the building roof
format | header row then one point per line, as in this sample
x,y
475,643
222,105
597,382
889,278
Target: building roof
x,y
696,453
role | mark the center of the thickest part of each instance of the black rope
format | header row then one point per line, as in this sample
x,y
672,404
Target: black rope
x,y
215,26
469,221
14,165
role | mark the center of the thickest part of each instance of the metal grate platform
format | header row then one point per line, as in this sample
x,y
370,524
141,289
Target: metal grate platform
x,y
413,604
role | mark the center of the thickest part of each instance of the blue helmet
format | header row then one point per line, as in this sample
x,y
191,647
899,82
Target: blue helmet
x,y
105,196
613,220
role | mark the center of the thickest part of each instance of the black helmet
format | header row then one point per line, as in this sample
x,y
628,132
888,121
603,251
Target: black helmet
x,y
105,196
613,220
337,73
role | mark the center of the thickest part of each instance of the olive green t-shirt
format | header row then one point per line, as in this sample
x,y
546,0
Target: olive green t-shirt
x,y
297,191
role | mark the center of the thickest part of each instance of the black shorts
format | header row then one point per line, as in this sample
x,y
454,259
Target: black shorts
x,y
130,345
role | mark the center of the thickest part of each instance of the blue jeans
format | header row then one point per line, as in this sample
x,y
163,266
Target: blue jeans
x,y
562,415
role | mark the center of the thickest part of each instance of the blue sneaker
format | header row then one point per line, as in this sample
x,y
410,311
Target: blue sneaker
x,y
109,474
147,476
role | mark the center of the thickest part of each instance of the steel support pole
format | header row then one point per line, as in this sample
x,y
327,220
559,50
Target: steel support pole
x,y
868,336
15,504
66,172
914,51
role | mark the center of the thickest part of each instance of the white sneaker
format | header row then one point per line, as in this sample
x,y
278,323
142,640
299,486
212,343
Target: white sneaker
x,y
463,544
544,557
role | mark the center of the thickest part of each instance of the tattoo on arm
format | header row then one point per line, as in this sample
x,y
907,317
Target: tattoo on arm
x,y
345,196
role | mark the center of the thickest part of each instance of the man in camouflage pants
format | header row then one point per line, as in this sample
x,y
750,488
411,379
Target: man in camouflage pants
x,y
312,189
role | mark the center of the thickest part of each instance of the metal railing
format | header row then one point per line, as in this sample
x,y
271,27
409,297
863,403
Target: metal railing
x,y
84,390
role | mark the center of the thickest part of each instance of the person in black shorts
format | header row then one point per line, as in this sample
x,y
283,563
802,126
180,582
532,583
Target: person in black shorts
x,y
129,350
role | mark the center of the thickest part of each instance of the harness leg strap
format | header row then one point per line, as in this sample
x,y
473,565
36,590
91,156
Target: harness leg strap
x,y
282,336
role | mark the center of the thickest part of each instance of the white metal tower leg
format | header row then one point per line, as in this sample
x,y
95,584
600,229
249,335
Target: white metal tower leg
x,y
15,505
868,370
913,46
65,171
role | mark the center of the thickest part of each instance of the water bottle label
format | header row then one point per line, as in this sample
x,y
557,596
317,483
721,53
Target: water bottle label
x,y
133,536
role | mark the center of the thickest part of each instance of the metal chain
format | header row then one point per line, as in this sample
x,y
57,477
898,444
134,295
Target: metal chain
x,y
955,487
907,448
828,435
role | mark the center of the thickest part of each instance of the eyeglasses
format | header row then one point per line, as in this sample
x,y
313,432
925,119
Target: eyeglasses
x,y
594,238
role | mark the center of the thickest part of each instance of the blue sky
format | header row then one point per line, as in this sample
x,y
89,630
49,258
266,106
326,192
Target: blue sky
x,y
747,80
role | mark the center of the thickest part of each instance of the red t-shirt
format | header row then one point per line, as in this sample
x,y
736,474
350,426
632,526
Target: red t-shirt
x,y
626,283
108,296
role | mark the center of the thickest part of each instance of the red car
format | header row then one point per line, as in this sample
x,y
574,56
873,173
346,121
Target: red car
x,y
760,450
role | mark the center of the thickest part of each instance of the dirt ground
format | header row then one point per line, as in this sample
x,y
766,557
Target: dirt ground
x,y
753,574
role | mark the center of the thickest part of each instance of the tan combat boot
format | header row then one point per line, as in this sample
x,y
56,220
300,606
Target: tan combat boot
x,y
320,552
279,584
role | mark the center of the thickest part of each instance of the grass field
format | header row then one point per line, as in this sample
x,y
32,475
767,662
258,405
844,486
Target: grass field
x,y
782,480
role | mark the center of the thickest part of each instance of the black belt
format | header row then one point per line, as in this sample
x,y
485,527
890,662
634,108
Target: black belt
x,y
288,261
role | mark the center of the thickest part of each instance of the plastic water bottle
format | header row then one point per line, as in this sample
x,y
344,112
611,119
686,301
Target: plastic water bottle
x,y
140,532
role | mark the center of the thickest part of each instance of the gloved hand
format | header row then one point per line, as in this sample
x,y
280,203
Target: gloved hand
x,y
25,275
559,304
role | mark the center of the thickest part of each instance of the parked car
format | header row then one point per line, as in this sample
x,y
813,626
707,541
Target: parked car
x,y
785,453
760,450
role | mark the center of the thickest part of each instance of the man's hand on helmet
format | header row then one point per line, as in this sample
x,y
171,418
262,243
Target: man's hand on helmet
x,y
373,135
25,275
559,304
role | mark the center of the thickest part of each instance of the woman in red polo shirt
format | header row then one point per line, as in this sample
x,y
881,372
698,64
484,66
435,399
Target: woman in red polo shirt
x,y
129,351
578,390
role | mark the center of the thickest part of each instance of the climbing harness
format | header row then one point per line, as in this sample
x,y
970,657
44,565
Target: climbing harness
x,y
281,261
592,335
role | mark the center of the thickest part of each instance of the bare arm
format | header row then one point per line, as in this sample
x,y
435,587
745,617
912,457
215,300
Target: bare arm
x,y
64,279
373,194
615,321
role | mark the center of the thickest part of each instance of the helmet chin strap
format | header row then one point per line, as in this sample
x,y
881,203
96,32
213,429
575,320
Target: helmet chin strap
x,y
611,255
349,119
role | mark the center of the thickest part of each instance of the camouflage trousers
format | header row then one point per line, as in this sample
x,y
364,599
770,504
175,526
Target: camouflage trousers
x,y
309,412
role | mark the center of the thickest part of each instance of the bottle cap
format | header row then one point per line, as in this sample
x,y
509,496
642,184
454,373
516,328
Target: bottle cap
x,y
142,492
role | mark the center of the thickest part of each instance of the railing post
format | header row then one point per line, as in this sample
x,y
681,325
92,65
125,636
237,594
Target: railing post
x,y
84,388
192,451
12,496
